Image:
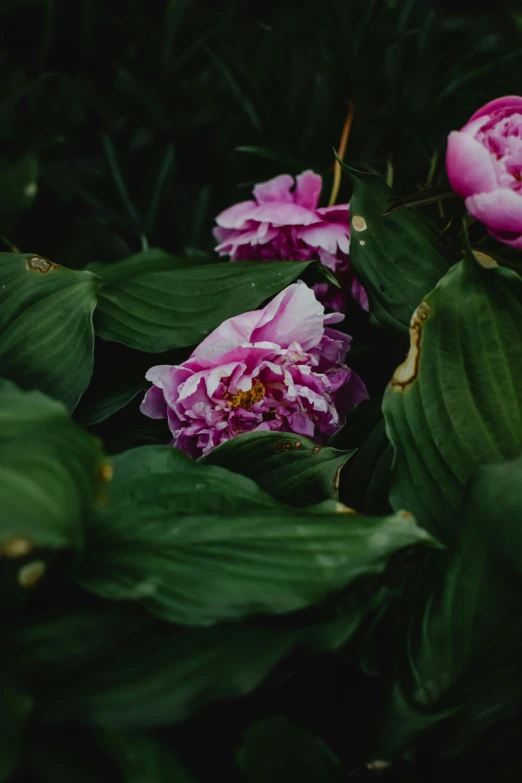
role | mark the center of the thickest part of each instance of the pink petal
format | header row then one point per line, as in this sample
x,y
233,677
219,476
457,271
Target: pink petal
x,y
338,213
329,236
333,318
301,424
231,334
294,315
469,165
281,214
499,210
308,189
359,295
276,189
235,216
511,239
507,102
154,405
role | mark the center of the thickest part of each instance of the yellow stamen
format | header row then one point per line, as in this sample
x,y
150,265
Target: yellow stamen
x,y
342,149
244,399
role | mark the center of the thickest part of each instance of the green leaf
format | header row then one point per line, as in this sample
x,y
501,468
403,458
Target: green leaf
x,y
154,302
395,256
289,467
365,480
99,410
455,403
18,189
458,636
196,544
46,325
277,751
16,705
163,676
49,474
141,758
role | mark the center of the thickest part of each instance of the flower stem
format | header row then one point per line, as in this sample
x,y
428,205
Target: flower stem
x,y
342,149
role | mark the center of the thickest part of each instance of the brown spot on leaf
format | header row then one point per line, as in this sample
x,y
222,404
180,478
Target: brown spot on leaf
x,y
16,547
106,472
484,260
31,573
359,223
297,444
407,372
279,446
287,446
316,450
378,766
40,264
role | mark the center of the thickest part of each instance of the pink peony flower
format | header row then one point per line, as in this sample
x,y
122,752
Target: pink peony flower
x,y
285,225
280,368
484,165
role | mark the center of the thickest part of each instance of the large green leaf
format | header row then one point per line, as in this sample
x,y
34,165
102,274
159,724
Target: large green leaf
x,y
456,402
117,665
291,468
395,256
46,325
458,639
49,474
155,302
18,189
166,674
15,706
277,751
196,543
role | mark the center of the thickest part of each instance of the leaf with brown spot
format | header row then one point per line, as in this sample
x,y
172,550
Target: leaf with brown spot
x,y
465,407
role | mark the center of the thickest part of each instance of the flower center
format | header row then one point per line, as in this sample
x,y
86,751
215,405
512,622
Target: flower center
x,y
244,399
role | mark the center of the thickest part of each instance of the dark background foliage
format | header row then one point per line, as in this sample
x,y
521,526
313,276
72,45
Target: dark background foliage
x,y
148,118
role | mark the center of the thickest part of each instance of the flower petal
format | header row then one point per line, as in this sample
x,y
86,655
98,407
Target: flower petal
x,y
338,213
329,236
276,189
469,165
294,315
499,210
507,102
281,214
308,189
154,405
235,216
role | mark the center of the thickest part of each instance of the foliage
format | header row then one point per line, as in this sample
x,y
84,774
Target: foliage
x,y
275,610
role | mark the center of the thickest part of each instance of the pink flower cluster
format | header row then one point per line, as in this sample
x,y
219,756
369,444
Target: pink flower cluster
x,y
281,224
280,368
484,165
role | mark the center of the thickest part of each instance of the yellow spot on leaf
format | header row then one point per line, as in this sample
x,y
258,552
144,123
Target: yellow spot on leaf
x,y
406,372
40,264
31,573
359,223
484,260
16,547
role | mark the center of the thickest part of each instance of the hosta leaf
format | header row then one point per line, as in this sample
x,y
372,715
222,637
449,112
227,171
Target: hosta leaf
x,y
458,636
154,302
163,676
456,402
46,325
277,751
196,543
291,468
395,256
49,474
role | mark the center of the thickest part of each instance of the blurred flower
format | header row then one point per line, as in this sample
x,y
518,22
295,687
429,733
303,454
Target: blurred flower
x,y
285,225
280,368
484,164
